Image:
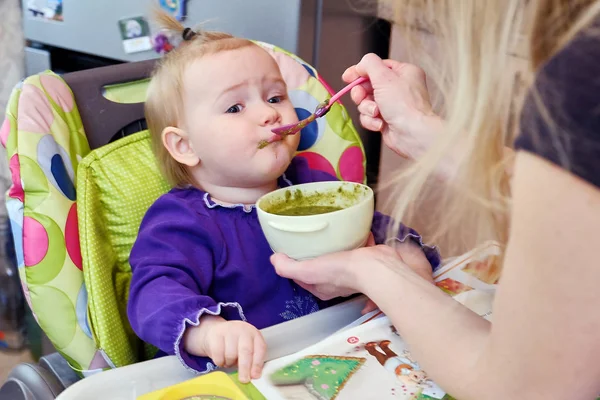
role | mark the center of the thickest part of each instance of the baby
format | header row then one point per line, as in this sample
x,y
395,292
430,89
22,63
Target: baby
x,y
202,283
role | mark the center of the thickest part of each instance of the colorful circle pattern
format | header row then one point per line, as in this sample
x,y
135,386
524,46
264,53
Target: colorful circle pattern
x,y
72,237
37,116
35,234
58,92
351,166
16,190
42,109
300,78
81,311
304,102
56,165
5,131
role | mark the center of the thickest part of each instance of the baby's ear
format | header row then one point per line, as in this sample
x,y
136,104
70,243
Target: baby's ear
x,y
177,143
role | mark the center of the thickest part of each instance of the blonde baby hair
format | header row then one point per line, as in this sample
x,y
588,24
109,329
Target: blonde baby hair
x,y
164,103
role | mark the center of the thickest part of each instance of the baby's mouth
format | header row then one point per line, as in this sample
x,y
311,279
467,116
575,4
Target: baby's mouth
x,y
264,143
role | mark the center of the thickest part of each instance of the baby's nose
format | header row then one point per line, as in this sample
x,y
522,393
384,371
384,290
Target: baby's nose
x,y
270,115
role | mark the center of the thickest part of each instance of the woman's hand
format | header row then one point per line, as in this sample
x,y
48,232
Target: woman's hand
x,y
412,255
396,103
341,274
229,343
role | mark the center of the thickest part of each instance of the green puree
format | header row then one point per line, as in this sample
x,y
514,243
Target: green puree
x,y
297,203
309,210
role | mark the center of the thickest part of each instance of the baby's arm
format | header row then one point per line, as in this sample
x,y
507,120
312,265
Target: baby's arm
x,y
422,258
414,256
173,263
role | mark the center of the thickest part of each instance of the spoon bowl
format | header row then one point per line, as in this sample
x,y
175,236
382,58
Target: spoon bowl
x,y
322,109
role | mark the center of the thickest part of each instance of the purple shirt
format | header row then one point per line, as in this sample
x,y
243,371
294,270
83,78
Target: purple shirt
x,y
194,257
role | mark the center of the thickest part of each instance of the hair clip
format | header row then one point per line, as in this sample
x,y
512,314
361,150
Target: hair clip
x,y
188,34
162,44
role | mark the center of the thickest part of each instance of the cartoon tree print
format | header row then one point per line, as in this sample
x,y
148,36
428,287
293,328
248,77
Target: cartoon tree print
x,y
324,376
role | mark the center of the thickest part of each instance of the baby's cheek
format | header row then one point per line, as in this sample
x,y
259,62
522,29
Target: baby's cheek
x,y
295,141
289,115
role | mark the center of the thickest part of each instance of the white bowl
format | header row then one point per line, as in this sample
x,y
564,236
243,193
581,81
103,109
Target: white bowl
x,y
308,236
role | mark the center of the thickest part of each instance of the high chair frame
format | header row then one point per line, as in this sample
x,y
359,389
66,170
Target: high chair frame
x,y
105,121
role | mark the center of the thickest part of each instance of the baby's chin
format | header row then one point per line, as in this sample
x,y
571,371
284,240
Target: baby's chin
x,y
283,157
289,144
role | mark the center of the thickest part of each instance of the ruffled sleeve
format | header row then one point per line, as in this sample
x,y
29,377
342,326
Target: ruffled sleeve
x,y
173,262
380,228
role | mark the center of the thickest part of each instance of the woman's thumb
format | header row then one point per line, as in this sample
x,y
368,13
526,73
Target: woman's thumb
x,y
284,266
372,65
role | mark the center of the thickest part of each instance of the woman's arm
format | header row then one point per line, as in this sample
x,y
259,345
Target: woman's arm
x,y
543,343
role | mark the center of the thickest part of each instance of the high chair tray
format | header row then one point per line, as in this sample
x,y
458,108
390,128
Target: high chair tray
x,y
133,381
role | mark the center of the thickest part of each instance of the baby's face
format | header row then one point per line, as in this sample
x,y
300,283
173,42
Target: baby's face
x,y
232,101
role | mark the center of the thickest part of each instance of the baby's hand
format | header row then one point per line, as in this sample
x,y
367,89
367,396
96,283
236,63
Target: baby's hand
x,y
413,256
230,343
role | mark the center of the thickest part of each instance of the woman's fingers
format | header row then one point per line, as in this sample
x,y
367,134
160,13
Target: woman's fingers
x,y
371,241
350,74
375,68
370,123
368,107
360,92
369,306
306,286
292,269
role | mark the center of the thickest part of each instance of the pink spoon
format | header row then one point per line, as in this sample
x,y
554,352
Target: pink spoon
x,y
321,110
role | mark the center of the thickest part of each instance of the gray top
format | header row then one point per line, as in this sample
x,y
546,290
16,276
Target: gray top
x,y
569,89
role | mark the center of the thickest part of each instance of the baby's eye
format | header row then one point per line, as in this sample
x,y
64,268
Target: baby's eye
x,y
276,99
234,109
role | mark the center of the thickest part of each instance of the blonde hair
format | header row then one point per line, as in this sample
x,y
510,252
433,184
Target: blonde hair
x,y
471,70
164,103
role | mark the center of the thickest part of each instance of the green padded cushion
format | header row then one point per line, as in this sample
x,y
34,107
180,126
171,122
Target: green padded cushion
x,y
117,184
127,93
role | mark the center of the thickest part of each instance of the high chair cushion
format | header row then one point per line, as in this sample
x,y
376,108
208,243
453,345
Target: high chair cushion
x,y
44,140
52,168
117,183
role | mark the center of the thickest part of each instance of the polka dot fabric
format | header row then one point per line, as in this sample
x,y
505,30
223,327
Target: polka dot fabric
x,y
331,143
116,185
41,133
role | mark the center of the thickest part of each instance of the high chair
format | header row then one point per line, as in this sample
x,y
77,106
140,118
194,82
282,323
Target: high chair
x,y
83,175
